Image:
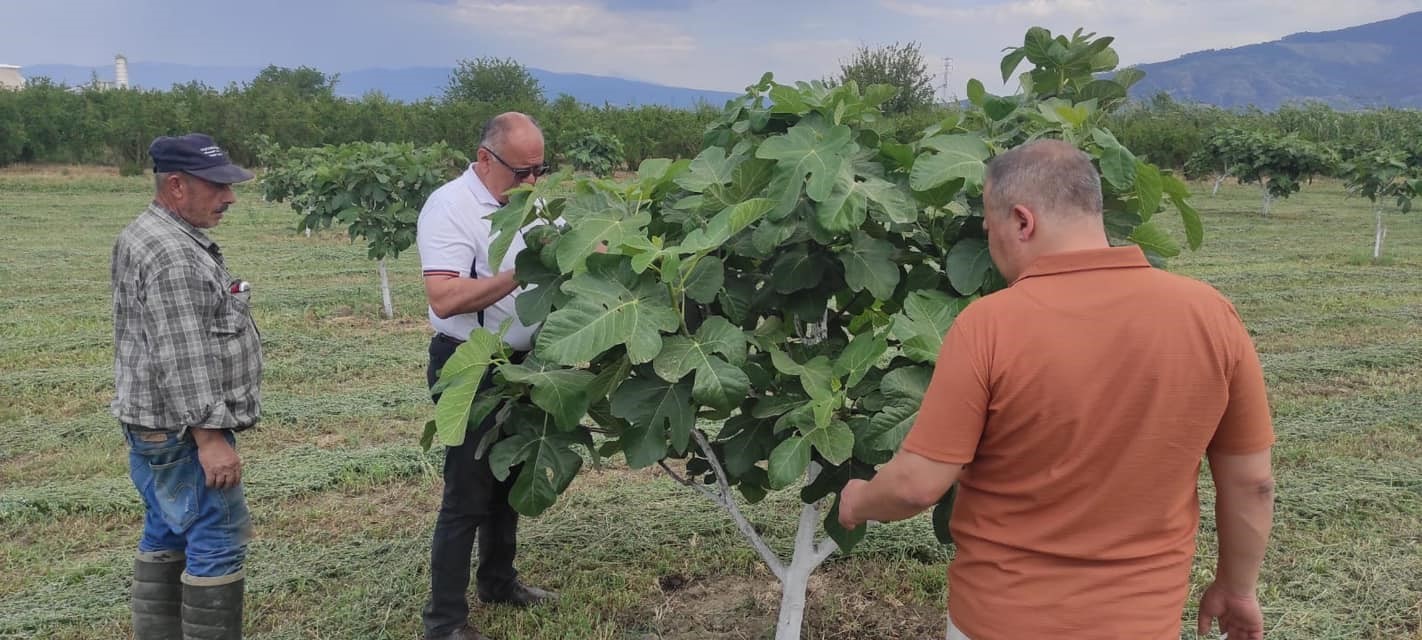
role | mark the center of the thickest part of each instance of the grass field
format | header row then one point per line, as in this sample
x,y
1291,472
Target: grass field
x,y
344,500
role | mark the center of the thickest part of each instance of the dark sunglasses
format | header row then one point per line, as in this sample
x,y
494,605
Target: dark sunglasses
x,y
523,173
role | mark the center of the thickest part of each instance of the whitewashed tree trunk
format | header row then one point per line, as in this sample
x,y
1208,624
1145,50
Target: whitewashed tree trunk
x,y
806,556
385,291
795,585
1267,199
1378,234
1219,179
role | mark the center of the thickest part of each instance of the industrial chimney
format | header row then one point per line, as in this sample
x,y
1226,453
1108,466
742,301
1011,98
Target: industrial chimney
x,y
120,72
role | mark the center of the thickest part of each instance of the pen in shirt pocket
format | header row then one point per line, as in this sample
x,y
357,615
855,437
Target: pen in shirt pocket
x,y
241,290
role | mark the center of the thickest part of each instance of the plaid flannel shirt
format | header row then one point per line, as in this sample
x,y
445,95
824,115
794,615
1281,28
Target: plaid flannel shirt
x,y
186,352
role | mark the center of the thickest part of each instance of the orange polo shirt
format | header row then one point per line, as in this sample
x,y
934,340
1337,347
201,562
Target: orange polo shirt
x,y
1082,399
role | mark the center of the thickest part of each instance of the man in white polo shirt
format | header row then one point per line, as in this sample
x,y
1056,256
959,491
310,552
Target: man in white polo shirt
x,y
466,292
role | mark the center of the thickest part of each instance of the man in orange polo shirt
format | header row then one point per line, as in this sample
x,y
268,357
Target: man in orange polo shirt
x,y
1073,408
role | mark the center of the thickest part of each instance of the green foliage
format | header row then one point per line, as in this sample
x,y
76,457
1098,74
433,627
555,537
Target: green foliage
x,y
13,139
793,280
298,108
900,66
49,123
1067,68
302,83
46,122
1319,323
495,81
1279,164
375,189
1165,131
1385,175
1169,132
596,152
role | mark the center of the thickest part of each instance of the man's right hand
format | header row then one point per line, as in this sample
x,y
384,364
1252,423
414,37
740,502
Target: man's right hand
x,y
220,462
1238,614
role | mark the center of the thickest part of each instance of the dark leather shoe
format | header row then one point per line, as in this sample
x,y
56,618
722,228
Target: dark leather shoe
x,y
519,595
465,632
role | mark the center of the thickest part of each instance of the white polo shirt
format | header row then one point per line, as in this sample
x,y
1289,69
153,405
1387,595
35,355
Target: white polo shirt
x,y
453,237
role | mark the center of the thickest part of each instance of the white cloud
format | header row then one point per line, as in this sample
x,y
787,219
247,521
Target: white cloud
x,y
1144,30
581,36
793,60
1003,11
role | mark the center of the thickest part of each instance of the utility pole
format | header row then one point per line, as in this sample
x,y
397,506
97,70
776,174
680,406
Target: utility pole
x,y
948,98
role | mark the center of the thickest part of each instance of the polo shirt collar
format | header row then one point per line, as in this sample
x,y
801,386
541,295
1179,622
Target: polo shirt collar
x,y
1128,257
481,192
174,219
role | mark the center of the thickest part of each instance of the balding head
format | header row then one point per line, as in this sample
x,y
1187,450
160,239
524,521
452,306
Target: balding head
x,y
510,153
1049,176
500,129
1041,198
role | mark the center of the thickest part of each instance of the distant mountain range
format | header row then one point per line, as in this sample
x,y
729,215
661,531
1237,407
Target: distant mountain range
x,y
406,84
1372,65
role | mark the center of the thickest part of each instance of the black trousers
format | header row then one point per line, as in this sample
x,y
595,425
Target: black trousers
x,y
474,501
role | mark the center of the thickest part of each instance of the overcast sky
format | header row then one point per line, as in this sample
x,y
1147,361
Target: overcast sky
x,y
707,44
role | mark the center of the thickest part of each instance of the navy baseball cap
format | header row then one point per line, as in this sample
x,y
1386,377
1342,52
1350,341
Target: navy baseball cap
x,y
196,154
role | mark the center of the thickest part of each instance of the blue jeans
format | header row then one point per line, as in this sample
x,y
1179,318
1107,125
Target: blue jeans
x,y
181,513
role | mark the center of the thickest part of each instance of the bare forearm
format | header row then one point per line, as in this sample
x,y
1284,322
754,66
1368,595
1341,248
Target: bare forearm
x,y
900,491
903,488
1244,515
882,503
453,296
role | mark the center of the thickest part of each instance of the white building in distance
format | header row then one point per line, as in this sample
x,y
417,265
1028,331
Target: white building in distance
x,y
10,77
120,80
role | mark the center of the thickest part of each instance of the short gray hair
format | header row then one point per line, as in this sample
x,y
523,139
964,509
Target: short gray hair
x,y
499,126
1047,176
160,177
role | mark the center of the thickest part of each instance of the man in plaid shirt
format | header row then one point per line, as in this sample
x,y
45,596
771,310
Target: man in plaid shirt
x,y
187,370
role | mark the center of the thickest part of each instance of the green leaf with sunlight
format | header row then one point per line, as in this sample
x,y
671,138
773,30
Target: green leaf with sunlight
x,y
549,463
811,150
458,381
788,462
709,168
925,319
612,306
1149,189
956,156
596,219
863,352
1150,236
560,392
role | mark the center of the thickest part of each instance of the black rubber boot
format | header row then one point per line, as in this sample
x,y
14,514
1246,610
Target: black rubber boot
x,y
157,596
212,609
